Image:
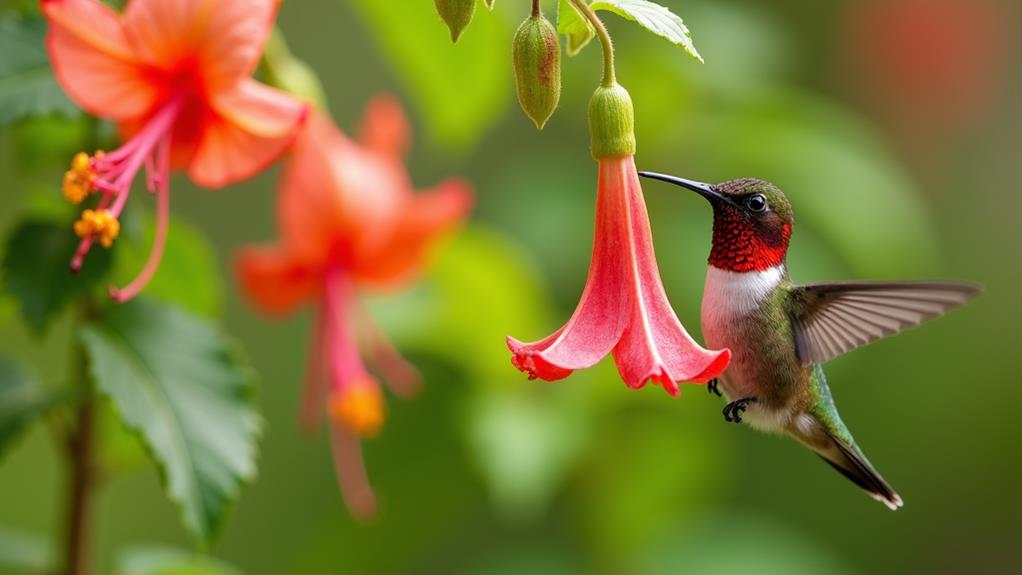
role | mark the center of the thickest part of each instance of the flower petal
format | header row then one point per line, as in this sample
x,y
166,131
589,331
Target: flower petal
x,y
225,37
385,128
655,345
228,151
273,280
604,308
94,60
259,109
424,220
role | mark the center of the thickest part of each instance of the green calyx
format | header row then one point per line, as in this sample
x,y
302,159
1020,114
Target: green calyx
x,y
536,51
456,14
611,122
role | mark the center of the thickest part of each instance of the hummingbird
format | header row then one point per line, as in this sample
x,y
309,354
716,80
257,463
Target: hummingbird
x,y
781,333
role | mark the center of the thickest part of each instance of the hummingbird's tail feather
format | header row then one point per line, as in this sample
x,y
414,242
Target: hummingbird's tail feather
x,y
850,462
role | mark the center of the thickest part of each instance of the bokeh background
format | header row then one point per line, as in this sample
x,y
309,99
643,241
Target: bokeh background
x,y
894,127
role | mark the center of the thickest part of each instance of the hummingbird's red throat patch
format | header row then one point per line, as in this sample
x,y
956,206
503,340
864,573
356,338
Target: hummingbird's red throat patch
x,y
742,245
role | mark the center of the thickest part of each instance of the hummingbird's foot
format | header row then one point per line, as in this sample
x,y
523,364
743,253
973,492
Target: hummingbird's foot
x,y
733,411
711,387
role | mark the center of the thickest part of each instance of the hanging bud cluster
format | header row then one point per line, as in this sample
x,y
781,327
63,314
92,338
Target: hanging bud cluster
x,y
536,52
456,14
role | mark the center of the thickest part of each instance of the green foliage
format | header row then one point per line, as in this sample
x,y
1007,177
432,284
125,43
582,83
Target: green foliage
x,y
22,399
461,90
27,85
181,385
655,18
36,270
575,26
22,553
189,273
168,561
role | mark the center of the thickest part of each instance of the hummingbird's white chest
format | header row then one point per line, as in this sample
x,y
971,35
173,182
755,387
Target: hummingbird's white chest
x,y
728,300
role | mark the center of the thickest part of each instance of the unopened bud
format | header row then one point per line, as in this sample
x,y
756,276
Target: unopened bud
x,y
456,14
537,61
611,122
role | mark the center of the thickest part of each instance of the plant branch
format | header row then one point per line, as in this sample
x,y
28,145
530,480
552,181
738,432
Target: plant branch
x,y
81,483
609,78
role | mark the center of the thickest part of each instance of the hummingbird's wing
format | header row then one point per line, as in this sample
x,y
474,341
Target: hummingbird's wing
x,y
836,317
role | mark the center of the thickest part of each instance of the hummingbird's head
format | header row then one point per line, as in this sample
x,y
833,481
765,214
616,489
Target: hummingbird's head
x,y
752,222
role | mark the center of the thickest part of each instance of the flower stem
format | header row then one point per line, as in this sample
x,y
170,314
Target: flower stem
x,y
609,78
535,8
81,484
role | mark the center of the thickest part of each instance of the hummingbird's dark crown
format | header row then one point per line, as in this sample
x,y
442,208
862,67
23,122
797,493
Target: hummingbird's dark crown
x,y
752,224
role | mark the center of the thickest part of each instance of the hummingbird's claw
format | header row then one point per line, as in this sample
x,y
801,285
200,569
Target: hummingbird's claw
x,y
711,387
733,411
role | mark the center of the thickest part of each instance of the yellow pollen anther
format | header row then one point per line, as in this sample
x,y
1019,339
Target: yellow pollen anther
x,y
98,223
360,408
79,180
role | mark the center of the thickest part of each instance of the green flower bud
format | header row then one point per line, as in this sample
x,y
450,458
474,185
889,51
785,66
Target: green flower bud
x,y
456,14
611,122
537,61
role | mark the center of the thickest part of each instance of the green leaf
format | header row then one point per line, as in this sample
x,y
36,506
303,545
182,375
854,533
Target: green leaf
x,y
36,270
460,89
575,26
189,273
180,384
169,561
27,85
22,553
21,401
655,18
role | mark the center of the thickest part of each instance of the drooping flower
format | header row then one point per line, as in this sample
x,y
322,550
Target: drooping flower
x,y
349,219
624,309
175,76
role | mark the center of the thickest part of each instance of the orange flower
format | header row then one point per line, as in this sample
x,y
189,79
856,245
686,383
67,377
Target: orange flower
x,y
175,76
349,218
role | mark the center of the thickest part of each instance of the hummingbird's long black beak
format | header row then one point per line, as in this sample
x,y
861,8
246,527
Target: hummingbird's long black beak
x,y
704,190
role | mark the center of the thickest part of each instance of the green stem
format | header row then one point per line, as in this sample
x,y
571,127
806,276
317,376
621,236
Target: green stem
x,y
609,78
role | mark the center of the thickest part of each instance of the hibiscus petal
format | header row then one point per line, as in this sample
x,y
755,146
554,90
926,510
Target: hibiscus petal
x,y
385,128
228,151
259,109
94,61
426,217
226,36
655,345
273,280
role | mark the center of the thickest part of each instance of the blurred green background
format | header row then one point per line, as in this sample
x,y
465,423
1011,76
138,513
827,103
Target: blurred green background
x,y
894,127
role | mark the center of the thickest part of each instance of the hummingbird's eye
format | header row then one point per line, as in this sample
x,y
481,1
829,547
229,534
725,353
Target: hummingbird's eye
x,y
756,203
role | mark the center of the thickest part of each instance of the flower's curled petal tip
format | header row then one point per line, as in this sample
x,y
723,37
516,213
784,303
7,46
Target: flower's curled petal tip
x,y
228,153
528,359
273,280
260,110
385,127
93,61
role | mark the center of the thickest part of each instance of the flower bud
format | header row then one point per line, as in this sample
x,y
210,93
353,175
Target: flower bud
x,y
456,14
537,61
611,122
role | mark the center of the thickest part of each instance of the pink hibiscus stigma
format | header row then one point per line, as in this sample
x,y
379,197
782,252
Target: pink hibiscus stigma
x,y
175,76
349,218
624,309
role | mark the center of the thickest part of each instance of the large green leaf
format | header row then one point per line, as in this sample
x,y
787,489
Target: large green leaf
x,y
36,270
461,89
27,86
189,274
655,18
21,401
573,25
181,385
168,561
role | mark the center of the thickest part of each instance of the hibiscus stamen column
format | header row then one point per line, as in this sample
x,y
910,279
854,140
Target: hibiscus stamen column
x,y
623,309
